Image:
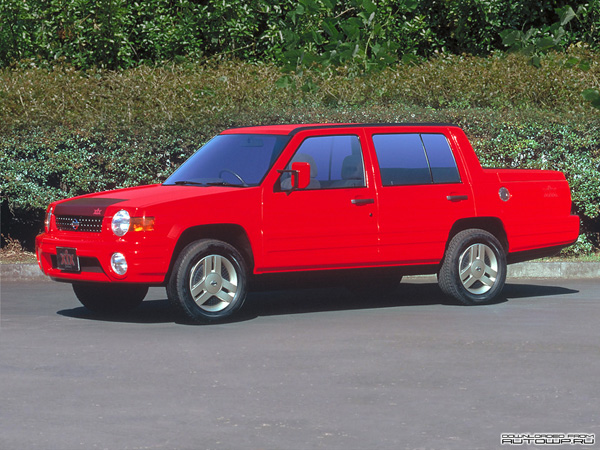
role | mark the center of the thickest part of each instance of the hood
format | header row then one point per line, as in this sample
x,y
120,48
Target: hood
x,y
136,197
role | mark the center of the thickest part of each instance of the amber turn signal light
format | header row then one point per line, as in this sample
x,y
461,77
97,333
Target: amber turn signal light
x,y
142,224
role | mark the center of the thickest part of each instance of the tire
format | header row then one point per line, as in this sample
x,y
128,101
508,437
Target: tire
x,y
474,268
209,282
110,298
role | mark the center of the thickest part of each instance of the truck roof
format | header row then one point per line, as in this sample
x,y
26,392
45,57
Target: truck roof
x,y
290,129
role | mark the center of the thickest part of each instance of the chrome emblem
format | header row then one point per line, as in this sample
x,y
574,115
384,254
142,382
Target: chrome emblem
x,y
75,224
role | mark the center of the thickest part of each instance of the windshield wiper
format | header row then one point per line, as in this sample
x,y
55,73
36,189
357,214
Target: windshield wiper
x,y
206,183
184,183
224,183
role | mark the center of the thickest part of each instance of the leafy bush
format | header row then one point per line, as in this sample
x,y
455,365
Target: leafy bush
x,y
536,42
120,34
186,96
65,132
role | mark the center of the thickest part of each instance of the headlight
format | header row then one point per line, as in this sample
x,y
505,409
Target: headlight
x,y
120,223
48,218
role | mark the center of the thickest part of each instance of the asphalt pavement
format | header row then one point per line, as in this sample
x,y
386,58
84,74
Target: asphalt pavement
x,y
529,269
304,369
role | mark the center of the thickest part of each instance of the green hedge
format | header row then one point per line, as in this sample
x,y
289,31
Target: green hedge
x,y
188,96
65,132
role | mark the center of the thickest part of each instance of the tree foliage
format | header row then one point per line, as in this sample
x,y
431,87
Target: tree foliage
x,y
117,34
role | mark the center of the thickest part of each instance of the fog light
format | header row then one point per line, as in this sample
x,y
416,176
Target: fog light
x,y
118,263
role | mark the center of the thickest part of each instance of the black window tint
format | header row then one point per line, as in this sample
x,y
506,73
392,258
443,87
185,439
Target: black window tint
x,y
336,162
441,159
401,159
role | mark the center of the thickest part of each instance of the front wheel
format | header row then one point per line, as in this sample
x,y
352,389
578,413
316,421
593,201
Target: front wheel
x,y
474,268
208,282
110,298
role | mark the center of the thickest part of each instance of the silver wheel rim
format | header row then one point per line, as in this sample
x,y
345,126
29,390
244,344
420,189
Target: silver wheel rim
x,y
213,283
478,269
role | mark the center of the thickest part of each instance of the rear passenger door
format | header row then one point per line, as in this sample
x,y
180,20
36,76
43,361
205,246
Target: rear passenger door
x,y
421,194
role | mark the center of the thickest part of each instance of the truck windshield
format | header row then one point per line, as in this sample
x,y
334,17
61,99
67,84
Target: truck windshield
x,y
230,160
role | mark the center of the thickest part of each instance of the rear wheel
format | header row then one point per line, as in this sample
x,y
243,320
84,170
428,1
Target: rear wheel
x,y
208,283
474,268
110,298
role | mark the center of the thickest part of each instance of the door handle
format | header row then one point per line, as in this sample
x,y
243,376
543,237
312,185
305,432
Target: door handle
x,y
457,198
362,201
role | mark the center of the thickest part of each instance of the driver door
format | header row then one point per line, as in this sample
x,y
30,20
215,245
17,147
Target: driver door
x,y
332,223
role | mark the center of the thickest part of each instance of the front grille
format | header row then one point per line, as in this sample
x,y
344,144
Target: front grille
x,y
79,223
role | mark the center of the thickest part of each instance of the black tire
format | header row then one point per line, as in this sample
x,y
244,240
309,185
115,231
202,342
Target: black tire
x,y
110,298
474,268
209,281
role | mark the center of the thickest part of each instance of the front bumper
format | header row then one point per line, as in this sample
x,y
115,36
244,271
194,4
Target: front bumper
x,y
147,260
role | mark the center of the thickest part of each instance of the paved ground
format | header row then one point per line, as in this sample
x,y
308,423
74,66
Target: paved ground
x,y
306,369
529,269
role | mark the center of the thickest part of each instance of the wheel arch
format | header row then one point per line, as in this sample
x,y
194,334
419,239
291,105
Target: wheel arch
x,y
232,234
492,225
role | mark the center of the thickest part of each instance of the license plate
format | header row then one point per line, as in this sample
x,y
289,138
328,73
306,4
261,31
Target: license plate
x,y
66,259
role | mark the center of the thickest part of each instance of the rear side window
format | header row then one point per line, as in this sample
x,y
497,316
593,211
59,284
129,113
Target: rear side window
x,y
412,158
402,159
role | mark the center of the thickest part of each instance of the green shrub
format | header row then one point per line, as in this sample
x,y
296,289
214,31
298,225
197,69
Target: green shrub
x,y
65,132
192,95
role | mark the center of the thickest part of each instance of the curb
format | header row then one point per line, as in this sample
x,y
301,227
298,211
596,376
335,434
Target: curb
x,y
17,272
557,270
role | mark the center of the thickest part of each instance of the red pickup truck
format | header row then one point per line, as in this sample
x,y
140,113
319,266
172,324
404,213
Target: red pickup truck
x,y
377,199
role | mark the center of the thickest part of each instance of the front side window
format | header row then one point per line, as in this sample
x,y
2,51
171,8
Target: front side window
x,y
335,162
230,160
413,158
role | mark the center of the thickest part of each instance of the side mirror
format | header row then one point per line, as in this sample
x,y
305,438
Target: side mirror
x,y
300,175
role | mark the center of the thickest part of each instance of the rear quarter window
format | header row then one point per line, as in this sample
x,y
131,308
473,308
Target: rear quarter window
x,y
441,160
413,158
